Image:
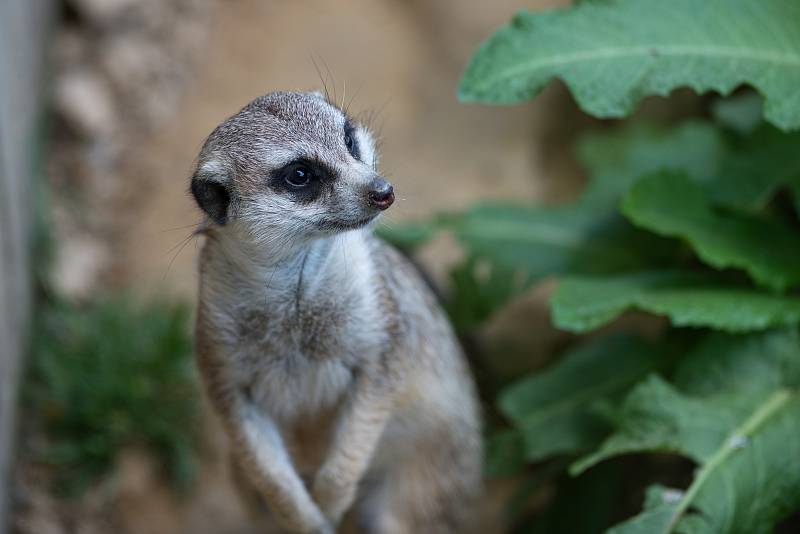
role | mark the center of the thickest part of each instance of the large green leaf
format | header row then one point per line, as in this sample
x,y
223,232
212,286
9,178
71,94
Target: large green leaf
x,y
616,158
754,168
660,506
612,53
555,411
657,417
582,303
747,446
735,414
741,173
518,245
588,236
762,361
671,204
545,241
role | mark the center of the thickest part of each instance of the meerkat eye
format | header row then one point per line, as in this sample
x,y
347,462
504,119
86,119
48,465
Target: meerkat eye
x,y
298,176
350,140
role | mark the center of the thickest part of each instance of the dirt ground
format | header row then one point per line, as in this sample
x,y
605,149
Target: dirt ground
x,y
397,59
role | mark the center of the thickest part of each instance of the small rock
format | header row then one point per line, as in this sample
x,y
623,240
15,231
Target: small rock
x,y
80,261
70,46
100,12
83,99
38,524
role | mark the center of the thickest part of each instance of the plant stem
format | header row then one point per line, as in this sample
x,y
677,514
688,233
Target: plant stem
x,y
774,403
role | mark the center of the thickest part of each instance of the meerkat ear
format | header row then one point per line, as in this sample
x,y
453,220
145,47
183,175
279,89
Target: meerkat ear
x,y
211,191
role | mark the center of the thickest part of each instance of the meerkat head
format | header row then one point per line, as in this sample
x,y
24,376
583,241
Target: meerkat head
x,y
290,166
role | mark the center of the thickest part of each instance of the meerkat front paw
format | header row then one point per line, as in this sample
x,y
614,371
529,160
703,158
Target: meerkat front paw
x,y
323,526
327,528
332,496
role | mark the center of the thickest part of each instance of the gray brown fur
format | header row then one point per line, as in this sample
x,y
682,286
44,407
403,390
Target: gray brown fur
x,y
338,378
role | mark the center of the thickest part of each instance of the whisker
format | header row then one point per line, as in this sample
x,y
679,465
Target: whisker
x,y
181,242
333,79
352,99
181,245
180,228
322,79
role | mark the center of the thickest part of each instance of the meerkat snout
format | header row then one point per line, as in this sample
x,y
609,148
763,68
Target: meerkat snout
x,y
381,193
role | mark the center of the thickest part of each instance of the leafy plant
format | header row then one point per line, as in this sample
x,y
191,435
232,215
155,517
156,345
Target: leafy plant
x,y
612,53
696,223
108,376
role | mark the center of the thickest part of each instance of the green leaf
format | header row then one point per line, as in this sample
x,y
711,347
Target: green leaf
x,y
747,446
555,411
611,54
649,522
544,241
741,173
519,245
582,303
741,113
617,158
589,237
672,205
657,417
755,168
734,413
478,289
505,455
762,361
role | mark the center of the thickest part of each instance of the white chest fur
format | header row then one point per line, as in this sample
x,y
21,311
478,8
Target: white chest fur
x,y
295,331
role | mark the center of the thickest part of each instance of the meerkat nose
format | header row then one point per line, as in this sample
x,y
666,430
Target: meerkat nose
x,y
381,193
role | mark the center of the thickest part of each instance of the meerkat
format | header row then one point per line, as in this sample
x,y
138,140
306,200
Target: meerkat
x,y
338,378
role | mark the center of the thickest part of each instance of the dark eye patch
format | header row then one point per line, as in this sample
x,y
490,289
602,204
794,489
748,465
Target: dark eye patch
x,y
350,140
317,177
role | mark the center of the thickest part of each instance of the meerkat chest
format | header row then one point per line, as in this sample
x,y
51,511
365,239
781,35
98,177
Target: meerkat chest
x,y
294,392
305,333
298,359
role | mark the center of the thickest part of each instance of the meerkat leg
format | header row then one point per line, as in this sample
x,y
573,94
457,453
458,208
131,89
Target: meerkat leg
x,y
265,459
260,450
357,434
250,498
256,508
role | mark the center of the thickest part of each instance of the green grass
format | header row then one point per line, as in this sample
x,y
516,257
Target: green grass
x,y
112,375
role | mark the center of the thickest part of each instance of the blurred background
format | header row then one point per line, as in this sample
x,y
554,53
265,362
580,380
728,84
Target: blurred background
x,y
115,98
105,104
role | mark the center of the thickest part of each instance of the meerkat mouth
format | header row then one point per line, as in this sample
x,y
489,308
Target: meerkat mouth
x,y
344,226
